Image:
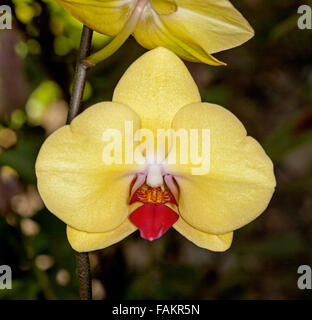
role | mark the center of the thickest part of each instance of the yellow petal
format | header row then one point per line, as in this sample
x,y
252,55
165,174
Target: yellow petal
x,y
164,6
215,25
197,29
107,17
156,86
202,239
151,32
85,241
240,182
74,181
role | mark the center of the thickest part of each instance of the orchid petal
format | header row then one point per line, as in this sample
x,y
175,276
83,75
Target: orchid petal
x,y
204,240
195,30
107,17
240,182
74,181
156,86
214,25
151,32
82,241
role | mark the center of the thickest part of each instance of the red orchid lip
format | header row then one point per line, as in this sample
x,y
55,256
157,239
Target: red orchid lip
x,y
153,220
154,217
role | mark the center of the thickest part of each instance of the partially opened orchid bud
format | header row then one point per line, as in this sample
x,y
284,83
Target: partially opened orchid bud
x,y
193,29
107,174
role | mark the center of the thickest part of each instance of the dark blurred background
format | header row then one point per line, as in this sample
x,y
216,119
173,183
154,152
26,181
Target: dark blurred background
x,y
267,84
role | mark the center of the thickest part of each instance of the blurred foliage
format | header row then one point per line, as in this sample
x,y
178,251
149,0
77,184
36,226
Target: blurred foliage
x,y
267,84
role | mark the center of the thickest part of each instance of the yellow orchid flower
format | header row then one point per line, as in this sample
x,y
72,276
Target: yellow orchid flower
x,y
104,202
193,29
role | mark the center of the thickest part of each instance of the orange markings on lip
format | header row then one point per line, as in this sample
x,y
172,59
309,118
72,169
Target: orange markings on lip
x,y
157,196
148,194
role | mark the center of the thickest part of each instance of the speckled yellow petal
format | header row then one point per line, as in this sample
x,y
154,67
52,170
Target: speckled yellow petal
x,y
195,30
107,17
156,86
74,181
240,182
202,239
85,241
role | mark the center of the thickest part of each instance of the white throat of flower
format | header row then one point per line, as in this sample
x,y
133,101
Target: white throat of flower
x,y
155,175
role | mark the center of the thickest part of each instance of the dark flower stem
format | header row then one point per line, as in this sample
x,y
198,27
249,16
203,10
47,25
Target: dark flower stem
x,y
80,74
82,259
84,275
